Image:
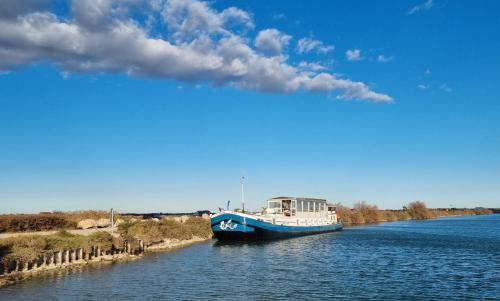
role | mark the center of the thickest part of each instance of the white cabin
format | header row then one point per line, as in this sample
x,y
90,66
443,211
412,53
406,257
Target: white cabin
x,y
300,211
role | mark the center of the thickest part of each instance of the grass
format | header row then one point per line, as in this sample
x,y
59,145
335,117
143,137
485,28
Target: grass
x,y
156,231
47,221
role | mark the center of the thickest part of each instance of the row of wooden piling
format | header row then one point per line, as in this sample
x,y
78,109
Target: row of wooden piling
x,y
68,257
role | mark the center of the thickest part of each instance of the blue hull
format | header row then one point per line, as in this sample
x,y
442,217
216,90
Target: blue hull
x,y
229,226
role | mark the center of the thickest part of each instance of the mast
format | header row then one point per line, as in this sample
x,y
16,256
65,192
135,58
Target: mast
x,y
242,194
112,221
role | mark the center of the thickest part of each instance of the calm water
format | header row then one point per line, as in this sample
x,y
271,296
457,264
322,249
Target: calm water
x,y
452,258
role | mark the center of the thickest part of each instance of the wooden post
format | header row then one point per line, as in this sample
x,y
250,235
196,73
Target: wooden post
x,y
59,258
25,265
66,256
43,262
80,254
12,266
73,255
51,259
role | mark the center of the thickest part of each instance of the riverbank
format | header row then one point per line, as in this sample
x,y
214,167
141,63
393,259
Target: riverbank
x,y
22,256
363,213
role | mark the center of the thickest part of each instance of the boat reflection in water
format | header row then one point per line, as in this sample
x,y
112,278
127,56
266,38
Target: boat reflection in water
x,y
284,217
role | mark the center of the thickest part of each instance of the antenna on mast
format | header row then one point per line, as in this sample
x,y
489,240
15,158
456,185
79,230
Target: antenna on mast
x,y
242,194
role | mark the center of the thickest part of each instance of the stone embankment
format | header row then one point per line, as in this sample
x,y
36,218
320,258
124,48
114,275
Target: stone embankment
x,y
15,269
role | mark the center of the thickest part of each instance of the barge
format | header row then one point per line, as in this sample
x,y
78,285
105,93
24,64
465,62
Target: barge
x,y
282,218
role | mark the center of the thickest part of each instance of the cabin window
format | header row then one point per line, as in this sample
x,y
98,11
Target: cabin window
x,y
276,205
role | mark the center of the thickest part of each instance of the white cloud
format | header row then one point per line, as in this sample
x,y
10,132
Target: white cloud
x,y
352,90
188,19
384,59
423,87
200,45
11,9
353,55
271,41
306,45
421,7
444,87
311,66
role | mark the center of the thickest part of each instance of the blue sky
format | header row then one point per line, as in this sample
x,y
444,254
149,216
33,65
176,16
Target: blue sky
x,y
162,105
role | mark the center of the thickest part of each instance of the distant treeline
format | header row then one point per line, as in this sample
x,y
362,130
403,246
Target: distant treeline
x,y
46,220
363,213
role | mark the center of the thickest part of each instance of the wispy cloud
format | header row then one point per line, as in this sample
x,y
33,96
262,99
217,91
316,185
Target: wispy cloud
x,y
279,16
198,44
384,59
353,55
306,45
444,87
312,66
421,7
423,87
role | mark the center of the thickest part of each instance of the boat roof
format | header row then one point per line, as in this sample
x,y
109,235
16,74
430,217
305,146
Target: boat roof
x,y
297,198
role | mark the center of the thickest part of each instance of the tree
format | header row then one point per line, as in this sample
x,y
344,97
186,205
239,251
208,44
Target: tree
x,y
418,210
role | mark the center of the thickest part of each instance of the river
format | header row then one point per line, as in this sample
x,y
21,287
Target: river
x,y
454,258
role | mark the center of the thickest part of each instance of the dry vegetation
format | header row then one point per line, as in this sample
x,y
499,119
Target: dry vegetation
x,y
363,213
155,231
46,221
33,222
